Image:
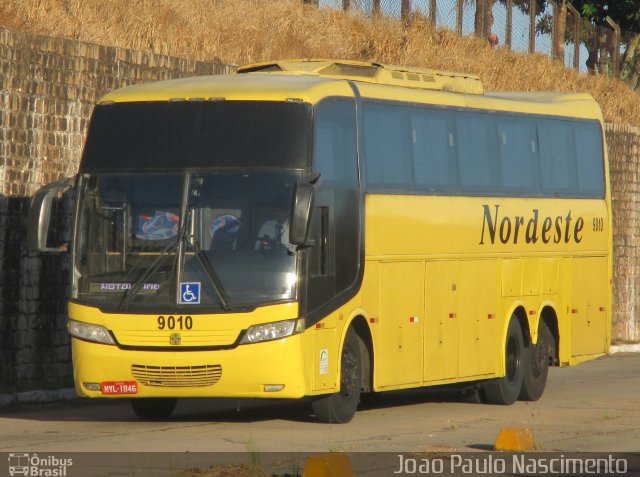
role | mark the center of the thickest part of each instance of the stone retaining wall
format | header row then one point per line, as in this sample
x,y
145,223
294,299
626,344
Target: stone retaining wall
x,y
624,162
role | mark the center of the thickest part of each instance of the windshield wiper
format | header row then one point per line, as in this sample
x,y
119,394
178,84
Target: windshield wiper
x,y
187,223
131,292
211,274
178,248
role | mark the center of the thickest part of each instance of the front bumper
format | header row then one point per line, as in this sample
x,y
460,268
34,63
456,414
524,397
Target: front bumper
x,y
243,371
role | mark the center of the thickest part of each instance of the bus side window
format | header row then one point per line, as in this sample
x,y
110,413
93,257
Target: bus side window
x,y
477,155
387,146
434,160
557,157
588,138
319,233
517,145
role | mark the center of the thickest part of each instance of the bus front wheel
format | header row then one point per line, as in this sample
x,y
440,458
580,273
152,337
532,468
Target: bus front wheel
x,y
340,407
506,390
150,409
537,369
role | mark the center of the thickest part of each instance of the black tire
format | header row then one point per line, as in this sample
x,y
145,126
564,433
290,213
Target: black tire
x,y
151,409
340,407
537,365
506,390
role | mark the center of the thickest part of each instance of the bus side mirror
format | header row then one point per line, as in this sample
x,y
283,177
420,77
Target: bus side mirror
x,y
40,215
301,214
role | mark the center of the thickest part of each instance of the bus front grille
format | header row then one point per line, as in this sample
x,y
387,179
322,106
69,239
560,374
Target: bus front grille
x,y
177,376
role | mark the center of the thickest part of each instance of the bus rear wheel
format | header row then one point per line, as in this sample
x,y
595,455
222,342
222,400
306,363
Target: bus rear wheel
x,y
537,368
150,409
506,390
340,407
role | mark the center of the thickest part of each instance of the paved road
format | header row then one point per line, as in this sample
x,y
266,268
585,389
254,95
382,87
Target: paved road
x,y
592,407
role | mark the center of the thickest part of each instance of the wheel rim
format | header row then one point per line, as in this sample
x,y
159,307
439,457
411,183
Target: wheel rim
x,y
349,377
513,359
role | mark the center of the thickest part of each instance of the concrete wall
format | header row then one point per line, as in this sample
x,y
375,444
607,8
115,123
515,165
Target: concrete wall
x,y
47,90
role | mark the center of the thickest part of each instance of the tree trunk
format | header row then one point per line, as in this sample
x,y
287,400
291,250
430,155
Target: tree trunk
x,y
592,60
483,20
634,78
560,34
590,40
405,12
488,17
630,57
376,7
604,53
478,18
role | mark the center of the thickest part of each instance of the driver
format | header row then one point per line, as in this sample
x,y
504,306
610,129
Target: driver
x,y
273,232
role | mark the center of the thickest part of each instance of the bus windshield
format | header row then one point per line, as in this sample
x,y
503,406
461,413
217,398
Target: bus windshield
x,y
195,239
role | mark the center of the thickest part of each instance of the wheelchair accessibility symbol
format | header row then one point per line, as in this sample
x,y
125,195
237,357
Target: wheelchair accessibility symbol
x,y
189,293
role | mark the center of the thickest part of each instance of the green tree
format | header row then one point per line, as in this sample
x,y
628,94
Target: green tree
x,y
626,13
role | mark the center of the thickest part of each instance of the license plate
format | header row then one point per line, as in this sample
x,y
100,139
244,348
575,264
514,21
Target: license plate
x,y
119,387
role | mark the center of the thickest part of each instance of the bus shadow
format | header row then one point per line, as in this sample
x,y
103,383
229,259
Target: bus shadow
x,y
187,410
372,401
227,409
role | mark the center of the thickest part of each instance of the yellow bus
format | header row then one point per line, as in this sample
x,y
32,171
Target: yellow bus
x,y
326,228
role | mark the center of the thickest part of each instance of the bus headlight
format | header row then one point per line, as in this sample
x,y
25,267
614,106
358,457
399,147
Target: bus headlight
x,y
272,331
88,332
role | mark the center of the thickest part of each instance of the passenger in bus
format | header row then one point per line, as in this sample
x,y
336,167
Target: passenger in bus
x,y
225,233
274,233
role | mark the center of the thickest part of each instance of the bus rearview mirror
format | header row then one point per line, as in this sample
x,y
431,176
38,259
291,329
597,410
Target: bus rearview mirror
x,y
40,216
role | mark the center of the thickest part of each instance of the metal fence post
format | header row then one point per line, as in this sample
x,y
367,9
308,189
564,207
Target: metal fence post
x,y
577,30
433,13
532,26
614,45
554,29
459,13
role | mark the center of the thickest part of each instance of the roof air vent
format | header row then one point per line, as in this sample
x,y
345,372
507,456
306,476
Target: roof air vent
x,y
340,69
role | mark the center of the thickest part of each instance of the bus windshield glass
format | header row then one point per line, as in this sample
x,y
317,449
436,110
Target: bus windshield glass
x,y
195,239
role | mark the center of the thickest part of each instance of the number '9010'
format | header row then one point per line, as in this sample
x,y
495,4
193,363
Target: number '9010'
x,y
175,322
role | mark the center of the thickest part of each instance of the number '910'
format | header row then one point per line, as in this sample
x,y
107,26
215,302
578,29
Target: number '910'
x,y
175,323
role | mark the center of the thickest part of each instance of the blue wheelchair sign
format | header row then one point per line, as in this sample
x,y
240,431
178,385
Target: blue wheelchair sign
x,y
189,293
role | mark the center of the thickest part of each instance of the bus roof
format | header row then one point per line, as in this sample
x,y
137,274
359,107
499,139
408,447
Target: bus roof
x,y
313,79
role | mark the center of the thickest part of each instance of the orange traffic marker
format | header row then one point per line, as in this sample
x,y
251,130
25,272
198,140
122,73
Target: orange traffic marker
x,y
515,439
328,465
